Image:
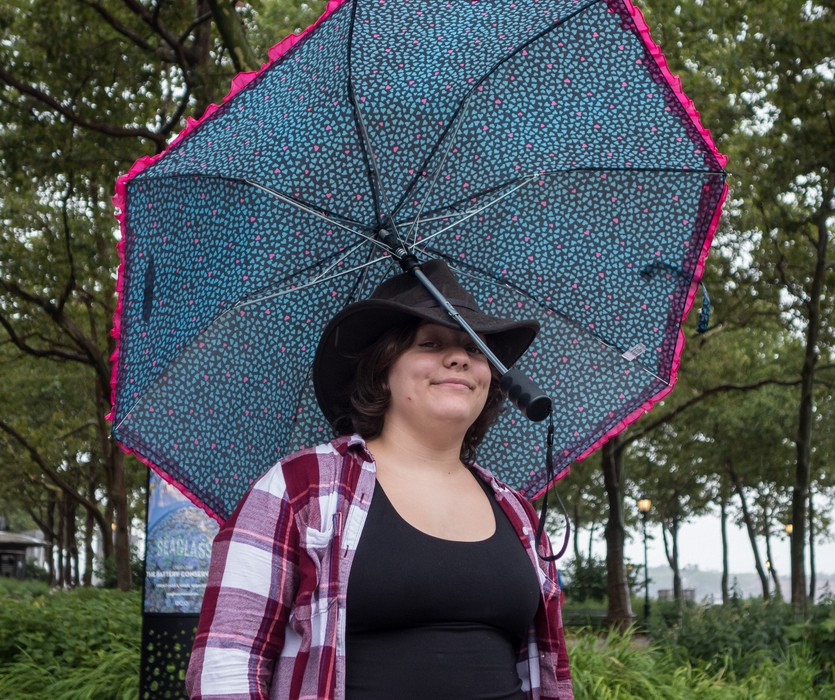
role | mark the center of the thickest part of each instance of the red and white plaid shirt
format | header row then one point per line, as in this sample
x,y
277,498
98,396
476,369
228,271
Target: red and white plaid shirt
x,y
273,618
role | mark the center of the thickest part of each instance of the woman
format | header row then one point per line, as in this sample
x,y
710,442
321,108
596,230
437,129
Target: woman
x,y
386,564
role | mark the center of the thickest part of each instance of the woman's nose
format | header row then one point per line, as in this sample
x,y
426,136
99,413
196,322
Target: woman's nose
x,y
457,355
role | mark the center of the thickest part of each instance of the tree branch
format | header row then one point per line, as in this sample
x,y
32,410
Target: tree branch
x,y
53,352
70,285
81,341
73,117
53,475
707,393
183,58
231,31
128,33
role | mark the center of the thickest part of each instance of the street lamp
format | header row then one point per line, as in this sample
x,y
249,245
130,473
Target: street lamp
x,y
644,504
789,529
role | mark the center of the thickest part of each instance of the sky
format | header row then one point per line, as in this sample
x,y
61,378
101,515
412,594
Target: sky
x,y
700,544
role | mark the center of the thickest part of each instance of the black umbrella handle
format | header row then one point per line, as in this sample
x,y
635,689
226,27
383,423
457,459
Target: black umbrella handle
x,y
525,394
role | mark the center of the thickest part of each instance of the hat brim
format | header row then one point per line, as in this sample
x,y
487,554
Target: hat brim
x,y
357,326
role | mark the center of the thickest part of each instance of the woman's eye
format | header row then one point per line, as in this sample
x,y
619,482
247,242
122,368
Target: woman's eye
x,y
473,350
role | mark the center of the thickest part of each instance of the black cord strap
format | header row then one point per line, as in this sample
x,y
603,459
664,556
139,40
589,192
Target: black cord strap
x,y
543,514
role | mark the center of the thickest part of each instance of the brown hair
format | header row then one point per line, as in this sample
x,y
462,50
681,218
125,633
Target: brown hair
x,y
369,393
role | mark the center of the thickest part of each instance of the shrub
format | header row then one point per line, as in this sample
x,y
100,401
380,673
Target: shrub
x,y
737,637
620,666
585,578
69,645
818,634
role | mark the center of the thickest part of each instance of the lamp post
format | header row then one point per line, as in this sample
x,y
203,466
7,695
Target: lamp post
x,y
644,504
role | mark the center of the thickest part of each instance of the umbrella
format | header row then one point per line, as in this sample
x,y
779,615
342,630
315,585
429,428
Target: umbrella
x,y
541,148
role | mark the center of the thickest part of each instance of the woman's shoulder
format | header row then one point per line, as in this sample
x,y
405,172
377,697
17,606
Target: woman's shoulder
x,y
311,470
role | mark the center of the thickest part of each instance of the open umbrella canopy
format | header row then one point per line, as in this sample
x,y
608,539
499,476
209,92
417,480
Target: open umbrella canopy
x,y
541,147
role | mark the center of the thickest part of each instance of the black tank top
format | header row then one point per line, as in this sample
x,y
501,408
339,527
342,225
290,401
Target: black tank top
x,y
435,618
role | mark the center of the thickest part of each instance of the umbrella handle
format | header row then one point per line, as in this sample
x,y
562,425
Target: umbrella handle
x,y
524,392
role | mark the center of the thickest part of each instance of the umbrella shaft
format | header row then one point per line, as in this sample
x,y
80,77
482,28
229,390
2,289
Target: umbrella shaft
x,y
453,312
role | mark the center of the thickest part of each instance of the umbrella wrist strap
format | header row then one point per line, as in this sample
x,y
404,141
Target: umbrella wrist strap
x,y
543,514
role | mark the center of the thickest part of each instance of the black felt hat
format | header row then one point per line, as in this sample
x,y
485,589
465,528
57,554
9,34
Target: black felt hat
x,y
358,325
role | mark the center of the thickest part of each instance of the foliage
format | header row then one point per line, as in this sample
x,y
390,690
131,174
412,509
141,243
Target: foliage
x,y
75,645
84,645
819,634
622,666
107,574
584,578
12,589
739,637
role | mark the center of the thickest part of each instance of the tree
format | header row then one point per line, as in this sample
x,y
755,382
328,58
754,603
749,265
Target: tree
x,y
675,474
770,66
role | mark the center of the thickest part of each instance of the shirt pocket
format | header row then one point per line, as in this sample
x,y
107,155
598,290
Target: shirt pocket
x,y
319,547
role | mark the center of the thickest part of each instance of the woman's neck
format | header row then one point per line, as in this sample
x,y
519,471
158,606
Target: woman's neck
x,y
433,452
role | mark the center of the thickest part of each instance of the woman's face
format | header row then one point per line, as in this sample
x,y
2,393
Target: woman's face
x,y
441,376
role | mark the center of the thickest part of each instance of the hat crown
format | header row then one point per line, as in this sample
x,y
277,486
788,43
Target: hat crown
x,y
407,290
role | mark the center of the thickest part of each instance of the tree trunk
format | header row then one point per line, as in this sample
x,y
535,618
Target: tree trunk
x,y
800,492
812,577
50,525
592,528
723,506
576,534
59,539
671,552
749,526
232,32
115,535
89,532
778,591
118,496
70,548
620,606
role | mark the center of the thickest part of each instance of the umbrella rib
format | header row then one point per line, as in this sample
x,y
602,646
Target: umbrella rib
x,y
436,214
330,217
476,273
472,212
310,209
341,258
457,116
306,285
374,179
458,121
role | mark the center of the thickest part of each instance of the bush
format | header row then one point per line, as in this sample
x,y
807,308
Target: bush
x,y
69,645
585,578
619,666
738,637
818,634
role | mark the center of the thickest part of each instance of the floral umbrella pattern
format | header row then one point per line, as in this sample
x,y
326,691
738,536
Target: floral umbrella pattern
x,y
542,148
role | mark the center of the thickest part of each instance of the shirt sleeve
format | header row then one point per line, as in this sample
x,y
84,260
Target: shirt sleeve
x,y
252,583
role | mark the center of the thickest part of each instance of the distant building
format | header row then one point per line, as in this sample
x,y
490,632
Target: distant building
x,y
15,551
687,594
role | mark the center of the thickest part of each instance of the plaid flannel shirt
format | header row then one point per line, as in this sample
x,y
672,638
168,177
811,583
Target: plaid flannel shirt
x,y
273,619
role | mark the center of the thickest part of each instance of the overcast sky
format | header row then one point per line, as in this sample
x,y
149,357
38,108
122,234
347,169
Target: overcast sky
x,y
700,544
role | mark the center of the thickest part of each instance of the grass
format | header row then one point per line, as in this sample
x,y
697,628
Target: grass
x,y
68,645
615,666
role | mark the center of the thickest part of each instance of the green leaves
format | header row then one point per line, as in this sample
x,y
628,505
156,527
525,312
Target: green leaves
x,y
68,645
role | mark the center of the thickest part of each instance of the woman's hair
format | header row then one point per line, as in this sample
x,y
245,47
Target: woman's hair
x,y
369,394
